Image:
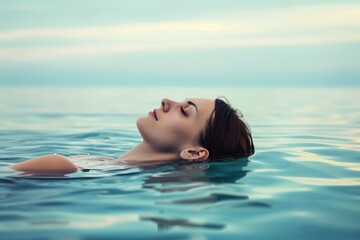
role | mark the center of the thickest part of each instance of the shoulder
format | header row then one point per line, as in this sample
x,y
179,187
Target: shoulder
x,y
48,163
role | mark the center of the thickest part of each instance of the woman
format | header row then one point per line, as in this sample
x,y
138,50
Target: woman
x,y
193,130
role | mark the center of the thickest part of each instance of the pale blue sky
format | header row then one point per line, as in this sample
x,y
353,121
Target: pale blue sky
x,y
189,42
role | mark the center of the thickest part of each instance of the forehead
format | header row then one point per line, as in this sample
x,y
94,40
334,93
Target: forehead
x,y
203,104
202,100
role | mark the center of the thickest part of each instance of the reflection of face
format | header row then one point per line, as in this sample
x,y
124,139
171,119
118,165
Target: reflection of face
x,y
175,125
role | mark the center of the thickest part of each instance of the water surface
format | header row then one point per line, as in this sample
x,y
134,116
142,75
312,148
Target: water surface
x,y
302,183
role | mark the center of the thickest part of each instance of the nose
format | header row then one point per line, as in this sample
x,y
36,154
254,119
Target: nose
x,y
167,104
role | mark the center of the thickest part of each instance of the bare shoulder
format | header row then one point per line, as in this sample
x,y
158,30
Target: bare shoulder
x,y
48,163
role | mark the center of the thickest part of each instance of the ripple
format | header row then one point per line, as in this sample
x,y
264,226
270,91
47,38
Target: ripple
x,y
305,156
165,224
212,198
324,181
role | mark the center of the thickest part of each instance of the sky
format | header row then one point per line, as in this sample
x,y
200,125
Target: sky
x,y
180,43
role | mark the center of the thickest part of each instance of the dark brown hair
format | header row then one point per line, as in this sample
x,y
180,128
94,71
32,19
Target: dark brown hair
x,y
226,134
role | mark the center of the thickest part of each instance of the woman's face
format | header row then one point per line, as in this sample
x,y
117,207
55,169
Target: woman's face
x,y
175,125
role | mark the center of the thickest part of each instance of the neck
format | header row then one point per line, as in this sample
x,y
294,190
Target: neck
x,y
144,154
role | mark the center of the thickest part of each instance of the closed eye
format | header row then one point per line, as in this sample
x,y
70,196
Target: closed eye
x,y
183,112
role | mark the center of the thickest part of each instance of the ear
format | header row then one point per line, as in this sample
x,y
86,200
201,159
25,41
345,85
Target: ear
x,y
194,154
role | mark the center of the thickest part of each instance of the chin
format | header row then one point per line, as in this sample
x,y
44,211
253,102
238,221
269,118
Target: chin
x,y
142,126
139,123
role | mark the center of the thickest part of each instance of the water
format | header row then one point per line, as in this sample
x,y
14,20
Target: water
x,y
302,183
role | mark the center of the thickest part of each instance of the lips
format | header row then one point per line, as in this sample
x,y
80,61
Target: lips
x,y
155,115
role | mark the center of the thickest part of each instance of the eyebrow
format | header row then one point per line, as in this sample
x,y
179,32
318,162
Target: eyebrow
x,y
193,104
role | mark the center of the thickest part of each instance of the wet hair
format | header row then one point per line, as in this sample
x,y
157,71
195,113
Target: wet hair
x,y
226,134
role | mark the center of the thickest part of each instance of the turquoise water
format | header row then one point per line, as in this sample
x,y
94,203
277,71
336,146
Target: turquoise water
x,y
302,183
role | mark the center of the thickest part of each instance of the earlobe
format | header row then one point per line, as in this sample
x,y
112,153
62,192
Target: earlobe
x,y
194,154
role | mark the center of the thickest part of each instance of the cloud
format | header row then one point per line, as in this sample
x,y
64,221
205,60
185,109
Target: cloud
x,y
270,27
61,52
117,31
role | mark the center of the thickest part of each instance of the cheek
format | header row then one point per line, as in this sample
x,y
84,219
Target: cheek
x,y
176,133
180,131
176,127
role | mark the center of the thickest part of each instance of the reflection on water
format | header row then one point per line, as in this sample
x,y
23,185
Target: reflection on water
x,y
212,198
166,224
184,177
